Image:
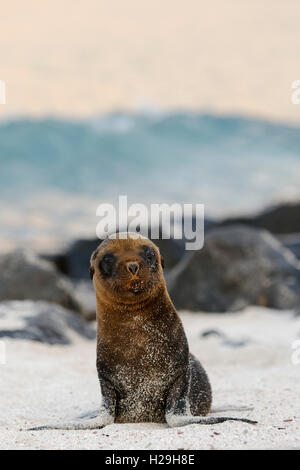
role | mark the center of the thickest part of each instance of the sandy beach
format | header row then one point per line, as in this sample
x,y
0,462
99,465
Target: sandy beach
x,y
42,384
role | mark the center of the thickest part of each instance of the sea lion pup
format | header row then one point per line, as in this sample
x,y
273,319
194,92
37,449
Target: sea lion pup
x,y
145,369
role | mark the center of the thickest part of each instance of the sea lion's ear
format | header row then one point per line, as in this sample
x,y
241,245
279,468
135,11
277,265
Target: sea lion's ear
x,y
162,261
92,271
94,254
93,257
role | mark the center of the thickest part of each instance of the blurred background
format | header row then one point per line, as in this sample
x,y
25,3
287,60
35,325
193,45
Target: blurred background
x,y
162,101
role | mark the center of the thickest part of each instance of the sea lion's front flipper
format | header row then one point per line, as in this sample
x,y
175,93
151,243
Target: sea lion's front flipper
x,y
95,419
103,419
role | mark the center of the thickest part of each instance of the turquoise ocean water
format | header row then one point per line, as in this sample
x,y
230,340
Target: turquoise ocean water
x,y
231,164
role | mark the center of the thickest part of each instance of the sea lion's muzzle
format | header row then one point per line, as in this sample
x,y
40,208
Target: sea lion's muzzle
x,y
136,286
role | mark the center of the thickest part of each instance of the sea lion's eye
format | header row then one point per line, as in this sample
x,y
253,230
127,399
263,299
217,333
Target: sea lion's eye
x,y
149,255
106,264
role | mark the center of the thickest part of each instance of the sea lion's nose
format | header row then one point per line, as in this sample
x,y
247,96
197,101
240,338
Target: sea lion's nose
x,y
132,267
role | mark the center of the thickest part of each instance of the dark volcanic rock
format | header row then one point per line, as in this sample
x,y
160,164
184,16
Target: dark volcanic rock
x,y
24,275
292,242
226,341
41,321
171,250
207,333
238,266
284,218
75,261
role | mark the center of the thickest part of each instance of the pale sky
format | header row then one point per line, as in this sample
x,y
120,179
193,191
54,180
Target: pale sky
x,y
82,57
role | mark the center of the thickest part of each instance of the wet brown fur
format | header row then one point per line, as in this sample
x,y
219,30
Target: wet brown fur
x,y
141,344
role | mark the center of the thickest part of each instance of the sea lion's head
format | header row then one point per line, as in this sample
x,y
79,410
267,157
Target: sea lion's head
x,y
127,270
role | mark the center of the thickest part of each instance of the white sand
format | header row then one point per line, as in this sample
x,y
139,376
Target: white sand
x,y
41,384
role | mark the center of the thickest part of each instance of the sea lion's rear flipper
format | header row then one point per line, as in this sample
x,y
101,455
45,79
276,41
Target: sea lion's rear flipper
x,y
189,399
182,420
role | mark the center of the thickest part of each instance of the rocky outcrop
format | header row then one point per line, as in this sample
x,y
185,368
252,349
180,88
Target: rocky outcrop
x,y
42,321
24,275
281,219
238,266
75,260
292,242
